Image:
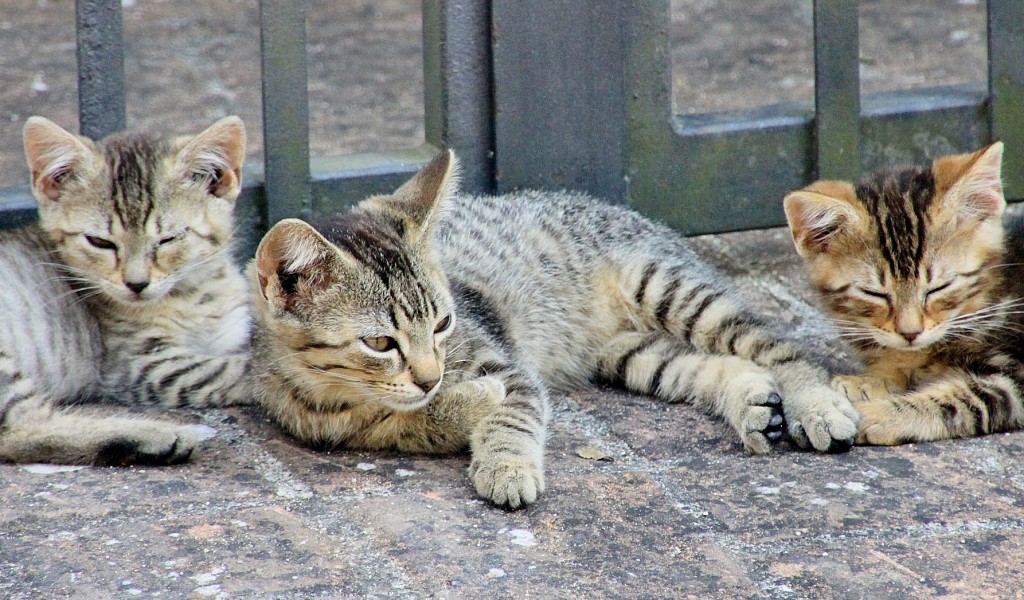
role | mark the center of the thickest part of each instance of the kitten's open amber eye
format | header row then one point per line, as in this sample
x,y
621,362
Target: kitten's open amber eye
x,y
443,324
102,244
380,344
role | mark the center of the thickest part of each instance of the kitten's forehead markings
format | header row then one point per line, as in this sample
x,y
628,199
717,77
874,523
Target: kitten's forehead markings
x,y
132,162
898,202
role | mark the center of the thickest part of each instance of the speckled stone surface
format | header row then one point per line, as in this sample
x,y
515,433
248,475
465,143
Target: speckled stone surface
x,y
679,512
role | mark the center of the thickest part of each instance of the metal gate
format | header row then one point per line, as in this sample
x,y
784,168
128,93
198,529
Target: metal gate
x,y
577,94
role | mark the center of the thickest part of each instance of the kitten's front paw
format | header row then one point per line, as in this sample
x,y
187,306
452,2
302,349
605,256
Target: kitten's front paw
x,y
821,418
507,480
763,424
879,425
489,389
861,388
148,445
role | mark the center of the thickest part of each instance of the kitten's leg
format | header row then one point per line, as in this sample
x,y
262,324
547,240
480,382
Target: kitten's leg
x,y
163,374
958,406
706,316
33,429
501,417
744,394
507,445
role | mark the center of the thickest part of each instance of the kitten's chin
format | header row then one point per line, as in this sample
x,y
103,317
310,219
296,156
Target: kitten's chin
x,y
411,403
132,300
892,342
407,404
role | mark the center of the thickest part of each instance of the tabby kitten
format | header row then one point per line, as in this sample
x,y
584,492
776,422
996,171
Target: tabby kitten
x,y
911,266
125,289
426,321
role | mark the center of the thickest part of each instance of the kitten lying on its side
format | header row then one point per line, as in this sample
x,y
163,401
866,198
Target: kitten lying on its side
x,y
126,289
426,321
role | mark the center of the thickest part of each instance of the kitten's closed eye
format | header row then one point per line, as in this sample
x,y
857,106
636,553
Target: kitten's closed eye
x,y
167,239
101,243
938,288
883,296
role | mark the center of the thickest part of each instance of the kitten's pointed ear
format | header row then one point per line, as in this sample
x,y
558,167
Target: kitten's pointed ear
x,y
974,184
214,158
420,201
53,155
292,260
818,214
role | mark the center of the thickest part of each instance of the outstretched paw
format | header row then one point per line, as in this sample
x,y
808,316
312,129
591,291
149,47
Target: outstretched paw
x,y
763,424
821,418
151,445
508,481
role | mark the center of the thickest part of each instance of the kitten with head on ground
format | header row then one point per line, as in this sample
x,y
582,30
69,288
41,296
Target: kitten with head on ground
x,y
915,268
125,290
429,321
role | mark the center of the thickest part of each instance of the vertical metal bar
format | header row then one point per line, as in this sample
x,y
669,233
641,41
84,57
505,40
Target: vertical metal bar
x,y
836,89
285,109
559,99
101,83
457,86
1006,88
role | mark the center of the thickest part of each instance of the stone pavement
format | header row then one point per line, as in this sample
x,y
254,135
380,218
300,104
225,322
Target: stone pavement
x,y
679,512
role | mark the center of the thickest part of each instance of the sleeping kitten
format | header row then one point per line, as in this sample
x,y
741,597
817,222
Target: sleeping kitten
x,y
911,265
126,289
426,321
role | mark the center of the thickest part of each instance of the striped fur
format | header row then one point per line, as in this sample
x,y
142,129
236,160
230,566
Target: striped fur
x,y
912,266
125,290
544,291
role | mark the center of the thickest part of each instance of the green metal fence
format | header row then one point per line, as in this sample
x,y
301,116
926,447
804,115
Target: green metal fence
x,y
577,94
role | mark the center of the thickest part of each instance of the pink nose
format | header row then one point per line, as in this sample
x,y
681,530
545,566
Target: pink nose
x,y
426,386
910,336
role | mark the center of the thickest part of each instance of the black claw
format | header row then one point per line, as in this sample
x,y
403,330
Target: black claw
x,y
773,399
840,446
774,436
776,421
169,455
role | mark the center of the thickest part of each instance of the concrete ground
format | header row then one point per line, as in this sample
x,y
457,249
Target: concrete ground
x,y
677,511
